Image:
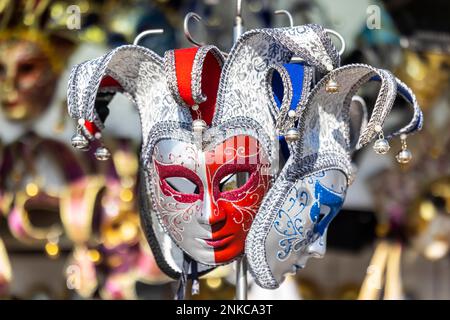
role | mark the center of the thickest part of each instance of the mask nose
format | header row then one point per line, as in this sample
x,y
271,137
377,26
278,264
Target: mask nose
x,y
9,86
210,214
8,83
205,212
318,248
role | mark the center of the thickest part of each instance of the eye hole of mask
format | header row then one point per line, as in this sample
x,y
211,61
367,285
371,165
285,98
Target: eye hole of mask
x,y
233,181
2,71
321,216
182,185
324,211
26,68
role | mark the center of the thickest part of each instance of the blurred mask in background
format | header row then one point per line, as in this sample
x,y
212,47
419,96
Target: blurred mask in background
x,y
27,79
34,47
429,220
427,73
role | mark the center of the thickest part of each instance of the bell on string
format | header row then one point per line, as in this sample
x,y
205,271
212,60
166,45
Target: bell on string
x,y
199,126
292,135
80,142
404,156
102,153
332,86
381,146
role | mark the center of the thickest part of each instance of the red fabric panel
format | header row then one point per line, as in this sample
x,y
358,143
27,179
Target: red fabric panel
x,y
184,59
210,84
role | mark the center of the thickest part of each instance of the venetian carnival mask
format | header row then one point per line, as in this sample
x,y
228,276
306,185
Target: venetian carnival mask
x,y
27,79
312,185
205,185
211,144
35,44
31,203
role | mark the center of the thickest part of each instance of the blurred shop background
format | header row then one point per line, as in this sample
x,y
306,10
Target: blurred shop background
x,y
69,226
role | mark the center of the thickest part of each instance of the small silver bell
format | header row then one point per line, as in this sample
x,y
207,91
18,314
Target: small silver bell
x,y
199,126
332,86
80,142
381,146
404,156
292,135
102,153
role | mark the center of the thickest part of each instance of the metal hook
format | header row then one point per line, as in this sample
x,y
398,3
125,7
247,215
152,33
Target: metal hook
x,y
187,33
237,29
291,25
329,31
288,14
146,33
340,38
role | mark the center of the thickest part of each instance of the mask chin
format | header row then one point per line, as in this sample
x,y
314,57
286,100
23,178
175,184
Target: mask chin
x,y
316,250
168,256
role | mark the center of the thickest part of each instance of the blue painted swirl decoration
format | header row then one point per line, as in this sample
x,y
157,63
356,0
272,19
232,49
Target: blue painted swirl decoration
x,y
289,223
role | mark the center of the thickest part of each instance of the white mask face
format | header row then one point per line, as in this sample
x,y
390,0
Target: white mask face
x,y
198,200
299,229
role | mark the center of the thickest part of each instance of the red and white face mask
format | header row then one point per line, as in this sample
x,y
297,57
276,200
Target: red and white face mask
x,y
206,200
209,144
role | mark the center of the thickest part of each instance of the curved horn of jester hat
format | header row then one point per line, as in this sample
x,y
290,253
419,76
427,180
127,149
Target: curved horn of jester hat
x,y
208,153
292,222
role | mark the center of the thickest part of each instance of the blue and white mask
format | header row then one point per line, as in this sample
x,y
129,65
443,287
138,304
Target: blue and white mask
x,y
293,220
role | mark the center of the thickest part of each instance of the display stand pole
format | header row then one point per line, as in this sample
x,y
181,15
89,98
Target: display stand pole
x,y
241,264
238,27
241,279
